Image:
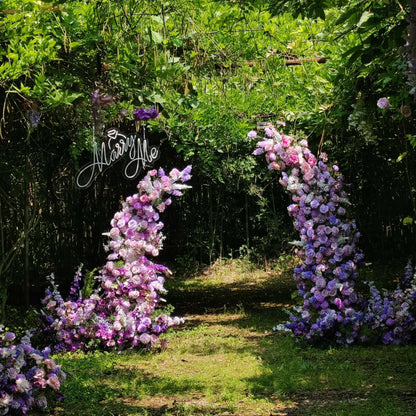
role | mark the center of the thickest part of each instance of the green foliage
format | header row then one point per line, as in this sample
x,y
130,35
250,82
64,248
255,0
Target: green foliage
x,y
89,283
214,69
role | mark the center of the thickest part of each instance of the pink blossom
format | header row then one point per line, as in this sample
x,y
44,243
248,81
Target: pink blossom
x,y
51,305
293,158
53,381
383,103
145,338
268,145
174,174
269,132
50,364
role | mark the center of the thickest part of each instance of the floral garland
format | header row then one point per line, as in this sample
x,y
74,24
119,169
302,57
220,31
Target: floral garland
x,y
123,312
332,309
28,377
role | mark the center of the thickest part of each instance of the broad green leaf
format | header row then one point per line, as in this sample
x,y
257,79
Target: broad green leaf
x,y
346,16
157,37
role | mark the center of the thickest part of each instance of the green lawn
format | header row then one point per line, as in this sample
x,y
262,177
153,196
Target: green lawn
x,y
226,360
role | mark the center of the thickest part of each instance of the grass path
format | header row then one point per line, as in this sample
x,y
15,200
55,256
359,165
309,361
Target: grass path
x,y
226,361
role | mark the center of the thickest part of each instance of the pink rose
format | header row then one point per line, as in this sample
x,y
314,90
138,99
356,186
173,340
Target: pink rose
x,y
268,145
144,338
293,158
50,364
174,174
274,166
53,382
51,304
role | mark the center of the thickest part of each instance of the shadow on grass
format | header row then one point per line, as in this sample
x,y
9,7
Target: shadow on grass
x,y
111,388
356,381
304,380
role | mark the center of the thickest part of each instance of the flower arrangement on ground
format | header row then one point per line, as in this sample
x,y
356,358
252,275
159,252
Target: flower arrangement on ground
x,y
331,309
125,309
29,378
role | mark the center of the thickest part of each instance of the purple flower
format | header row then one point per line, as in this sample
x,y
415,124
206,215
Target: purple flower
x,y
34,118
9,336
383,103
323,209
143,114
122,312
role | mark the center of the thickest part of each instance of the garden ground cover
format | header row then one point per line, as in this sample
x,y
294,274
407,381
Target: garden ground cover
x,y
226,360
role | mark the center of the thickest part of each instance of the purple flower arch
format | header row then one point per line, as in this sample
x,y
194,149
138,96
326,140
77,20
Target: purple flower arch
x,y
332,310
125,310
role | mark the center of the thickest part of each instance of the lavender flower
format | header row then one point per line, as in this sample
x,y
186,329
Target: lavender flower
x,y
27,375
34,118
101,100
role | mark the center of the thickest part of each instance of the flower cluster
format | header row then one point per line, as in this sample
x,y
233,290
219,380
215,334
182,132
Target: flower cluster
x,y
143,114
131,284
383,103
391,316
332,309
328,240
28,377
124,311
68,324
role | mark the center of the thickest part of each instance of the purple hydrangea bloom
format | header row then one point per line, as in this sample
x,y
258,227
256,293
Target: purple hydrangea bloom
x,y
33,118
383,103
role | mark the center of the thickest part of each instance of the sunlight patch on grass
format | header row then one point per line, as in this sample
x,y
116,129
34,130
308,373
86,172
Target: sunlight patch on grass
x,y
234,272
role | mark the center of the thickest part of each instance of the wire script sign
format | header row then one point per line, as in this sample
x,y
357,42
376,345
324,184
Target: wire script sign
x,y
135,148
